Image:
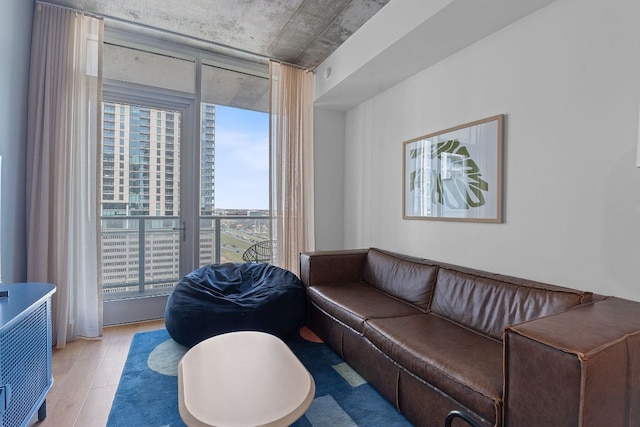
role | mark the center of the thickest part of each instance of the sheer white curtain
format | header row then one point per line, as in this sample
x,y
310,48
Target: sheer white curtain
x,y
62,168
292,92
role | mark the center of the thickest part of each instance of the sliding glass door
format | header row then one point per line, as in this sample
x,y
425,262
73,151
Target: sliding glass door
x,y
140,199
146,243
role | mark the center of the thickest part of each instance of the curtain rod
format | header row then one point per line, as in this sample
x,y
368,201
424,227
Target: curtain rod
x,y
174,36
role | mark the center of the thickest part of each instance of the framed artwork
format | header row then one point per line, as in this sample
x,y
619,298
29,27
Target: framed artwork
x,y
455,174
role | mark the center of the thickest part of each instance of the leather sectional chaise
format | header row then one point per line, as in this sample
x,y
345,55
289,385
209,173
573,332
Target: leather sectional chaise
x,y
434,338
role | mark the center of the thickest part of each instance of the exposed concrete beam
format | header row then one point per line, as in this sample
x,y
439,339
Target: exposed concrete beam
x,y
405,38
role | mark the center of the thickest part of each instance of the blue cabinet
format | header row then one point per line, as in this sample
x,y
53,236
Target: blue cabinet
x,y
25,351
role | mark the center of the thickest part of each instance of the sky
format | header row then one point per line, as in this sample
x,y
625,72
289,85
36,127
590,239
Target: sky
x,y
241,159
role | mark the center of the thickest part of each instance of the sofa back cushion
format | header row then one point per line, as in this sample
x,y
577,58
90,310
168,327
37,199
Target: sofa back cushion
x,y
403,277
489,303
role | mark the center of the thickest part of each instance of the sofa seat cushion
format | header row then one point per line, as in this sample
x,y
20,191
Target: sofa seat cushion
x,y
464,364
354,302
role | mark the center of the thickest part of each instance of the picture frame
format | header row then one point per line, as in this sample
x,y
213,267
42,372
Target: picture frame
x,y
455,174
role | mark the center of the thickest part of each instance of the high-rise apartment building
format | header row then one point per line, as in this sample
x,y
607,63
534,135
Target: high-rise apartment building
x,y
140,161
207,159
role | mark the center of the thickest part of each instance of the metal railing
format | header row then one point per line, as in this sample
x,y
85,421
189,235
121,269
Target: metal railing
x,y
141,254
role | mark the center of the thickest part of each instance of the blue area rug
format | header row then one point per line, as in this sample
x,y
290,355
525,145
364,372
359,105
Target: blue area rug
x,y
147,395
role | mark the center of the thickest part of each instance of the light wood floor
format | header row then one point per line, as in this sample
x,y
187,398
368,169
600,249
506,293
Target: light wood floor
x,y
86,375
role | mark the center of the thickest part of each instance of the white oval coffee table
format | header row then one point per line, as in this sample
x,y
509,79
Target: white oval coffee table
x,y
243,379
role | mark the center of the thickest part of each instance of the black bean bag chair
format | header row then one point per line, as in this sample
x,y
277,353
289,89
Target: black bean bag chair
x,y
221,298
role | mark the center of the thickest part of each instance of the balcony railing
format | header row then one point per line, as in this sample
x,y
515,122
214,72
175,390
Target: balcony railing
x,y
141,254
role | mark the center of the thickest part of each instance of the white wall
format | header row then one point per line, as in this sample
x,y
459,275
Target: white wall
x,y
329,171
15,44
567,77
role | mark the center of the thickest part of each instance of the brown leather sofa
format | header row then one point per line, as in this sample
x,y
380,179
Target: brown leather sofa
x,y
434,338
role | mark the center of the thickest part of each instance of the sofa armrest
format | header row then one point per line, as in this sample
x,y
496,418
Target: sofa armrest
x,y
580,367
321,267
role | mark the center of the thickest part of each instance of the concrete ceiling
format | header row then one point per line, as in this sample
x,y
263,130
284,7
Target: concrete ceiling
x,y
301,32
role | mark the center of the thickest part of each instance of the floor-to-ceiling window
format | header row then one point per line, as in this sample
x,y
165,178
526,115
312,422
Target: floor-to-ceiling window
x,y
185,168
